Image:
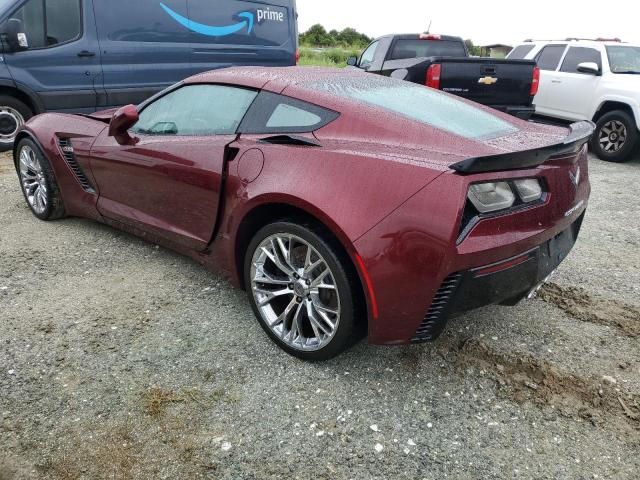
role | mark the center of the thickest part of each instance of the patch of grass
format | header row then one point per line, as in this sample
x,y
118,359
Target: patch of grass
x,y
157,400
329,57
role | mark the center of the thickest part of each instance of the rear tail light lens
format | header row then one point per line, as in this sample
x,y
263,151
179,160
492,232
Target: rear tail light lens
x,y
433,76
491,196
535,82
529,190
297,56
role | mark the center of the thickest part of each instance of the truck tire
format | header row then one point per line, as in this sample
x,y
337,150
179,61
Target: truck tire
x,y
13,114
615,137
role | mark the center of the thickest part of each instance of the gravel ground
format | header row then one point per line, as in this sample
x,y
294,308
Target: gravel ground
x,y
123,360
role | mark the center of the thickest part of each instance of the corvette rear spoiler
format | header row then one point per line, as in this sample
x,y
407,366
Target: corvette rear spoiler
x,y
579,134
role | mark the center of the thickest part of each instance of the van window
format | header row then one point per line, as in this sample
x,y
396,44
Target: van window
x,y
549,57
520,52
197,110
48,23
577,55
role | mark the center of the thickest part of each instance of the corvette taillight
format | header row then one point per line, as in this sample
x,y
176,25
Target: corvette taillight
x,y
433,76
535,81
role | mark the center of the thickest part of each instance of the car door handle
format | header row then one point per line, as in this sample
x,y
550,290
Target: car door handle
x,y
86,53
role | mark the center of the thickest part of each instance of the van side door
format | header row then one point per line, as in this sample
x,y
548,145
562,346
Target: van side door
x,y
144,50
61,60
241,33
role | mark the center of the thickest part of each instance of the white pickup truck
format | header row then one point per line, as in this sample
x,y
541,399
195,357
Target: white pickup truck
x,y
596,80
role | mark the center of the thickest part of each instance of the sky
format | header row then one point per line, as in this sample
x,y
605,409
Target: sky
x,y
487,22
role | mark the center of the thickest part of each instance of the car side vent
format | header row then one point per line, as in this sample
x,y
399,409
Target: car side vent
x,y
436,318
67,150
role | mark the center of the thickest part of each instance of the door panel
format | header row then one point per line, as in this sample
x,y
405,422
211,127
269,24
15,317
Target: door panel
x,y
67,76
167,186
570,94
143,49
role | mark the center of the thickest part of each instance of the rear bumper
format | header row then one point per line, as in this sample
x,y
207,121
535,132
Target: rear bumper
x,y
518,111
506,282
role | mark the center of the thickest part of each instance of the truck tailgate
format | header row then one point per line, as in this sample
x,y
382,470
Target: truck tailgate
x,y
488,81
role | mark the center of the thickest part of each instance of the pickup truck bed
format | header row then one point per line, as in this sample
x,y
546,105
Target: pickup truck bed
x,y
506,85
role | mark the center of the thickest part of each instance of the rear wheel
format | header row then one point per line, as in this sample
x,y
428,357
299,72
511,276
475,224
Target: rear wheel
x,y
615,137
38,182
13,114
300,291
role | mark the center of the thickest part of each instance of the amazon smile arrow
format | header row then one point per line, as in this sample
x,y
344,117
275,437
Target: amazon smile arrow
x,y
211,30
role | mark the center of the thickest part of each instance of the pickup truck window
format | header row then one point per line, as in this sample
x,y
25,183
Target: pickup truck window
x,y
368,55
426,48
520,52
624,59
577,55
549,57
48,23
422,104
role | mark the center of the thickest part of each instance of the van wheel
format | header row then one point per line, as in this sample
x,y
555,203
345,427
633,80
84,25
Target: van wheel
x,y
13,114
615,137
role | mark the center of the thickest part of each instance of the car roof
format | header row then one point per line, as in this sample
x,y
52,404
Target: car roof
x,y
577,41
274,79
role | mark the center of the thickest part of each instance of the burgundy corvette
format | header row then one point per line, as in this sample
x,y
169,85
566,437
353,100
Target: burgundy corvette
x,y
343,203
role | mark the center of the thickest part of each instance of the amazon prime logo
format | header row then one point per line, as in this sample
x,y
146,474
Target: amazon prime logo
x,y
247,20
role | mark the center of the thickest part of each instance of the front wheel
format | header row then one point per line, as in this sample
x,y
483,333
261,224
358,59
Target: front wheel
x,y
301,291
13,114
615,137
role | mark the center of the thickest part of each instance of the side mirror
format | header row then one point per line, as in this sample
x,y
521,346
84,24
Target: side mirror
x,y
121,121
591,68
352,61
15,36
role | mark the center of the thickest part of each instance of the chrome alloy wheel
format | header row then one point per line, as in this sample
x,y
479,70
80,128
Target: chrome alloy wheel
x,y
295,292
33,180
10,122
613,136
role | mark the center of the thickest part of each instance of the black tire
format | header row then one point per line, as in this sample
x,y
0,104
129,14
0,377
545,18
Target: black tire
x,y
54,209
350,328
13,113
625,151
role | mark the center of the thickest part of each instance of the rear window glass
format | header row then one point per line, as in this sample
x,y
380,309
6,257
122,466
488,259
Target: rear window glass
x,y
425,105
426,48
549,58
520,52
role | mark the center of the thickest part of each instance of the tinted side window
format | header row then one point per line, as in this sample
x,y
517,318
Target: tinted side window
x,y
368,55
549,57
48,23
577,55
520,52
427,48
196,110
273,113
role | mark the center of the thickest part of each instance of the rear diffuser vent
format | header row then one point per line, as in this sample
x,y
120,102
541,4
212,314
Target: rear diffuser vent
x,y
436,318
67,150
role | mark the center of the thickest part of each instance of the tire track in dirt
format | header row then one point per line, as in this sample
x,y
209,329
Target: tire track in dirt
x,y
593,308
522,378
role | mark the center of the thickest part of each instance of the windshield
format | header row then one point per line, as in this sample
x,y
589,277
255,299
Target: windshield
x,y
624,59
423,104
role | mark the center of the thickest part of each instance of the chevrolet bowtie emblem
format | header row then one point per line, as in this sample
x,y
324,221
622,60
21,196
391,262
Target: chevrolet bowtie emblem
x,y
488,80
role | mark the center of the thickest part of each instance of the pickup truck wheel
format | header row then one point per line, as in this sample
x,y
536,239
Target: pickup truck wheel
x,y
301,291
13,114
615,137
